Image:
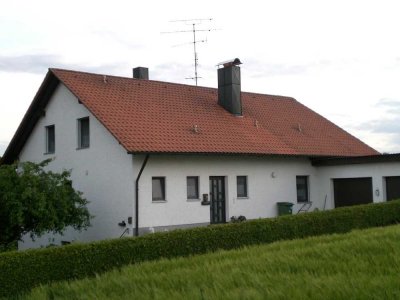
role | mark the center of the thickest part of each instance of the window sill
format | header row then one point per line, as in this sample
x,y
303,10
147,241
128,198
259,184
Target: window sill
x,y
193,200
242,198
82,148
158,201
49,153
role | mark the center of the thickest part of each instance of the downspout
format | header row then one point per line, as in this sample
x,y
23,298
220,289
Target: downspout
x,y
137,195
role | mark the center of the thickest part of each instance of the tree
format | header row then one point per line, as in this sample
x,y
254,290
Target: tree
x,y
36,201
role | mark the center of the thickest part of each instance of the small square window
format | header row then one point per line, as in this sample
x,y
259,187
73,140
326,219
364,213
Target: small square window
x,y
50,139
83,133
241,183
192,183
302,189
158,188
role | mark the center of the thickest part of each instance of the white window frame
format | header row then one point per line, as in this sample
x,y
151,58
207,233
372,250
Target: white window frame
x,y
164,180
47,133
307,177
80,142
246,187
198,188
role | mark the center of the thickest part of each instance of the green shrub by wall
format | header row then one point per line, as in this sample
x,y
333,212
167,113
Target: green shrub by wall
x,y
21,271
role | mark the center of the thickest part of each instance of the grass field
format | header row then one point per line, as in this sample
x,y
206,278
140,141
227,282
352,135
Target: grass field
x,y
359,265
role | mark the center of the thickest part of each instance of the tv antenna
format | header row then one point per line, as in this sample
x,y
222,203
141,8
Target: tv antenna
x,y
193,23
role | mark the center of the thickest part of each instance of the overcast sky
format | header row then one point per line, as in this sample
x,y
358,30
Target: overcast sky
x,y
339,58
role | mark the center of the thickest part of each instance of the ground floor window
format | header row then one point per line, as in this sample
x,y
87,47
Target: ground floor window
x,y
192,184
241,184
158,188
302,189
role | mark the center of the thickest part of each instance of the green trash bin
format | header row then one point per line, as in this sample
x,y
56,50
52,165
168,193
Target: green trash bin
x,y
284,208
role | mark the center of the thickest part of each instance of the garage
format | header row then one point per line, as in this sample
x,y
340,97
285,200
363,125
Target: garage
x,y
392,188
352,191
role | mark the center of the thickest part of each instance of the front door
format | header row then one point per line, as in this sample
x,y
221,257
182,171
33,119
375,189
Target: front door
x,y
217,198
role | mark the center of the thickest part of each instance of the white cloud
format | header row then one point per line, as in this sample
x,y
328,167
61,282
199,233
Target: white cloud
x,y
36,63
382,130
3,147
339,57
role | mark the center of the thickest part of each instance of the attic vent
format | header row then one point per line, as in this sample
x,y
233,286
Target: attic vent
x,y
299,127
195,128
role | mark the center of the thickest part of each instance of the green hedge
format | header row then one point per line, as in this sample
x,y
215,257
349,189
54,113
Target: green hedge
x,y
21,271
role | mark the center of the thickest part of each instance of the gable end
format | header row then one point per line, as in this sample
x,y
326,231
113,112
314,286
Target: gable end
x,y
34,113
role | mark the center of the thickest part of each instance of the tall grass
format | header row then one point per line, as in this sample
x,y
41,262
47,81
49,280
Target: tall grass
x,y
358,265
22,271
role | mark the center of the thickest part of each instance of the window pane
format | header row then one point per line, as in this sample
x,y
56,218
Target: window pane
x,y
158,188
302,188
50,139
241,186
192,187
84,140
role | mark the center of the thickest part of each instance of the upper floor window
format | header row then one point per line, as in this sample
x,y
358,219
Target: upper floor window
x,y
241,184
302,189
192,183
50,139
83,133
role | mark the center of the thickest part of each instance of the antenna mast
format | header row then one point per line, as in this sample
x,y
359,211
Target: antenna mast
x,y
193,22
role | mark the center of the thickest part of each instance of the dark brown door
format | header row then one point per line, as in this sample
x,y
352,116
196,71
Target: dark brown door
x,y
392,188
352,191
217,198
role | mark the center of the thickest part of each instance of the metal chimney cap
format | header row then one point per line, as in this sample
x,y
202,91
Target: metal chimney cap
x,y
231,62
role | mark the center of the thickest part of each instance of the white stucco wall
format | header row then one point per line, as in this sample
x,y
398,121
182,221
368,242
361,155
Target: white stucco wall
x,y
106,174
103,172
264,190
378,172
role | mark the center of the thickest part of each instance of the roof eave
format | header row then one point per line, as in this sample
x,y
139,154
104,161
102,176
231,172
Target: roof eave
x,y
354,160
33,114
309,156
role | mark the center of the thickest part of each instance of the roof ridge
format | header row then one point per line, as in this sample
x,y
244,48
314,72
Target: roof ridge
x,y
166,82
131,78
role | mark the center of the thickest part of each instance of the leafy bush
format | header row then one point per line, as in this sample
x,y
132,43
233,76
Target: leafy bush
x,y
21,271
269,271
9,247
36,201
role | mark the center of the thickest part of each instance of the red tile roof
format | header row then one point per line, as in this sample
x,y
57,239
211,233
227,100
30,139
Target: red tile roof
x,y
153,116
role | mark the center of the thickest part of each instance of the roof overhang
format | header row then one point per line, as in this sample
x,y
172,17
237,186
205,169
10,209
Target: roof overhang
x,y
277,155
337,161
35,111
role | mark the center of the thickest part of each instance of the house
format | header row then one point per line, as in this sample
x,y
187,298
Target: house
x,y
154,156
